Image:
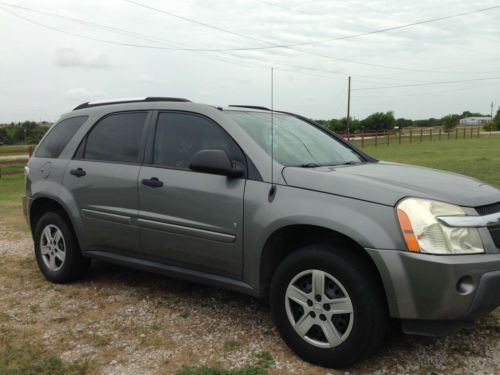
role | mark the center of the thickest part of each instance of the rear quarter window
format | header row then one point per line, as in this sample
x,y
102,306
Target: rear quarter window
x,y
57,138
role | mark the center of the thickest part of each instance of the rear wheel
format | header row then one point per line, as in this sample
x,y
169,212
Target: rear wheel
x,y
328,305
56,249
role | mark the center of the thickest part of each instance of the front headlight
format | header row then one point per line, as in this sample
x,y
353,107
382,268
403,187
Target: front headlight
x,y
424,233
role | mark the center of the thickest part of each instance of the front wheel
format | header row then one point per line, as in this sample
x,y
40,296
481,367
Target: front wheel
x,y
328,305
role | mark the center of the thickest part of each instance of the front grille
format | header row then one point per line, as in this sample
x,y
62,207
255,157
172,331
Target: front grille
x,y
495,230
488,209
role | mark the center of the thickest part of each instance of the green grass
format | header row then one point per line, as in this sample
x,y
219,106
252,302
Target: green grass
x,y
217,370
20,356
14,147
12,167
263,360
11,192
478,157
231,344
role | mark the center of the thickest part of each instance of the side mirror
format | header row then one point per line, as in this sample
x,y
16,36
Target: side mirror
x,y
215,162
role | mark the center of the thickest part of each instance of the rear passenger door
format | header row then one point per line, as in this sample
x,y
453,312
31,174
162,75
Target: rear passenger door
x,y
102,179
190,219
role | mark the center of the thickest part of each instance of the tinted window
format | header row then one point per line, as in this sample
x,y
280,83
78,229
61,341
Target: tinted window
x,y
180,135
53,144
116,138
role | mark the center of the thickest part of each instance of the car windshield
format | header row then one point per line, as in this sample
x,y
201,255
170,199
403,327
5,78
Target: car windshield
x,y
296,142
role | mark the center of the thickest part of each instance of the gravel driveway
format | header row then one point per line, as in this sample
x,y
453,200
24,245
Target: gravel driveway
x,y
121,321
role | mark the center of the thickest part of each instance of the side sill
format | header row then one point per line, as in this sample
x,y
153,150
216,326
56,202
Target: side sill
x,y
176,272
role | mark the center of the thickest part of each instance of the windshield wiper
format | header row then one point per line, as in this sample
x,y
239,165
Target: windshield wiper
x,y
310,165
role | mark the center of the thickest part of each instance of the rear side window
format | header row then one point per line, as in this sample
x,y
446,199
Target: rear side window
x,y
53,144
116,138
181,135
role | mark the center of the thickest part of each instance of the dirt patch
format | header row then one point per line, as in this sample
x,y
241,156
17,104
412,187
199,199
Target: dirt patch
x,y
121,321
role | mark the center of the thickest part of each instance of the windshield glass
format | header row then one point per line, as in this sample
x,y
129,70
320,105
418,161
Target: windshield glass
x,y
296,142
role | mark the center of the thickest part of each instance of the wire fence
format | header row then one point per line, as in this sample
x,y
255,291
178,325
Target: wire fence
x,y
410,135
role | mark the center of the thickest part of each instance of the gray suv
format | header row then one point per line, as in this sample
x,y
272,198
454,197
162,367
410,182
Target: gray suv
x,y
269,204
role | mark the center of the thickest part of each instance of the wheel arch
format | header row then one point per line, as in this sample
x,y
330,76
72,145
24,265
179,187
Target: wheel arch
x,y
285,240
42,204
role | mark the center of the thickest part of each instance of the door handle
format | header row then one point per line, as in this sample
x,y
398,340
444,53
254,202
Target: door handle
x,y
78,172
152,182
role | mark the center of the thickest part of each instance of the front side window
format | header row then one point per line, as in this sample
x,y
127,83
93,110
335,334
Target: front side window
x,y
59,136
296,142
179,136
116,138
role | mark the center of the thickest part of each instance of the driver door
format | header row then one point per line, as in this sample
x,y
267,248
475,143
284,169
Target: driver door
x,y
187,218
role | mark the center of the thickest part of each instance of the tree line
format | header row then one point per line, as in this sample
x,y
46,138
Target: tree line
x,y
30,132
387,121
27,132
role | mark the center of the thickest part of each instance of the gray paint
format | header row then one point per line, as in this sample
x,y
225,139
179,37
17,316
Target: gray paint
x,y
213,229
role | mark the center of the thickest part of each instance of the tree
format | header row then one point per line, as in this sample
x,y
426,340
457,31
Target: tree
x,y
379,121
449,122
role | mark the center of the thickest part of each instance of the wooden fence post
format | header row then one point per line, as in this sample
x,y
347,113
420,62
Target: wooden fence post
x,y
376,140
456,133
421,135
388,137
439,134
471,129
411,134
430,135
30,151
478,131
362,138
464,132
399,137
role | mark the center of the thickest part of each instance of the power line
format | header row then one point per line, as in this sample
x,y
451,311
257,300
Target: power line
x,y
128,33
170,47
422,22
292,46
426,84
145,37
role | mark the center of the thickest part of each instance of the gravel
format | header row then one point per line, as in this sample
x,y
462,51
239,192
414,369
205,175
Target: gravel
x,y
122,321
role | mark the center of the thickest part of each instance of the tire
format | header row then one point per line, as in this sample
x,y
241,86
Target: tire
x,y
355,322
56,249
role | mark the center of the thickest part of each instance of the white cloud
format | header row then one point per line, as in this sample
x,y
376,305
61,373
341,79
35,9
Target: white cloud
x,y
59,70
70,57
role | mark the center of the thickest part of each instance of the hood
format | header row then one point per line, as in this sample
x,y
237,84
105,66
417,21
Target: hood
x,y
387,183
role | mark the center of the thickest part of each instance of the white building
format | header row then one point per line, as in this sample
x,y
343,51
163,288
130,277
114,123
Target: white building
x,y
475,120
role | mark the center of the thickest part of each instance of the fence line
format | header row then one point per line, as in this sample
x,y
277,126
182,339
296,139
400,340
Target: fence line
x,y
24,150
410,135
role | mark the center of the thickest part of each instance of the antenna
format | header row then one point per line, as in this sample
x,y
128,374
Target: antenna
x,y
272,190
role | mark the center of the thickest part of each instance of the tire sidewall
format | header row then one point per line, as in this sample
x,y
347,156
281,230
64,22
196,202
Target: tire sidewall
x,y
360,293
71,247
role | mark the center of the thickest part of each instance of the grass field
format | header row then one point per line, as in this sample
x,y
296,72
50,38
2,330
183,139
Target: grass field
x,y
5,149
477,157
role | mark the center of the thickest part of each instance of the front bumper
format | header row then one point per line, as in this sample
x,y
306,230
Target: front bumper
x,y
438,287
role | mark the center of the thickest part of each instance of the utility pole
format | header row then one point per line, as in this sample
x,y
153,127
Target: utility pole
x,y
348,104
492,110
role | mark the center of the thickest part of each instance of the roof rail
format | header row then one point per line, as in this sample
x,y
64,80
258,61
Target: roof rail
x,y
250,106
129,100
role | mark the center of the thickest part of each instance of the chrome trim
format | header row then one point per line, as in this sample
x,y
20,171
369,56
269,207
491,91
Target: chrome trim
x,y
470,221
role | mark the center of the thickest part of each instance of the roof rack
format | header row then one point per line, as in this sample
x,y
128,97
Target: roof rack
x,y
250,106
129,100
